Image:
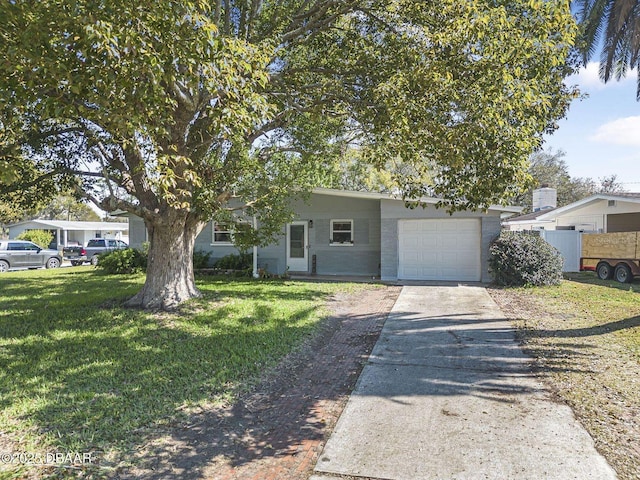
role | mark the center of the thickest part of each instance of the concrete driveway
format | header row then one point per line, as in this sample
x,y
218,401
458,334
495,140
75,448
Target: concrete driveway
x,y
448,394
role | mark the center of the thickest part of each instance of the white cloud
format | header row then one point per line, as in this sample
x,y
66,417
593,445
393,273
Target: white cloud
x,y
623,131
588,78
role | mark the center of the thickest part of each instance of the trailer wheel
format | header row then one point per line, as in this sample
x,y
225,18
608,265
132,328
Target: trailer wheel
x,y
604,271
623,273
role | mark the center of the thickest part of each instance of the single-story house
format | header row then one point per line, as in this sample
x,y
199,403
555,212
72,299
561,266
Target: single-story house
x,y
601,213
73,232
340,232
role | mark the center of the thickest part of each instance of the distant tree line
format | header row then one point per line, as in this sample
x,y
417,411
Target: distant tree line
x,y
549,169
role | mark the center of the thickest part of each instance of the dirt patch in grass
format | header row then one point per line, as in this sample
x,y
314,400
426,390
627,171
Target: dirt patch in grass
x,y
587,353
278,428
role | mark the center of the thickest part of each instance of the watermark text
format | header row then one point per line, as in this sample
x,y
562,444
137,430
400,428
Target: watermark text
x,y
47,458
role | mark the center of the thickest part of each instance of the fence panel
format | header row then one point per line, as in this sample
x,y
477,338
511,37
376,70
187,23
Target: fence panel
x,y
569,244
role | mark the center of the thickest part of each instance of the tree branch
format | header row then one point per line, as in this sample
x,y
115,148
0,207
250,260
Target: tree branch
x,y
20,186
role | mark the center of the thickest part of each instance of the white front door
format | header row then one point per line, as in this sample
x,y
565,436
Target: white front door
x,y
297,243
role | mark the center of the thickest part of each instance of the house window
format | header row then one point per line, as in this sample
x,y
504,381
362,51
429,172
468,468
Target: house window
x,y
341,232
222,233
611,203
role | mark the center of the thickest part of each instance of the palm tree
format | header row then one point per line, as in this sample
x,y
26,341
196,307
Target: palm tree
x,y
615,23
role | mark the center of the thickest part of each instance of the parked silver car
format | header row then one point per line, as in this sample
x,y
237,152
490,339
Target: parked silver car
x,y
16,254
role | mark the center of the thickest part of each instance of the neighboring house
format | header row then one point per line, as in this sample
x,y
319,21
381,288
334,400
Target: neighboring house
x,y
356,233
562,227
603,213
530,221
72,233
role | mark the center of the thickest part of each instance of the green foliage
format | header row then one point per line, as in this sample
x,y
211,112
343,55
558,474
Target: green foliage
x,y
10,211
471,123
8,172
193,111
66,207
133,260
124,261
25,191
615,26
520,258
201,259
469,86
241,261
39,237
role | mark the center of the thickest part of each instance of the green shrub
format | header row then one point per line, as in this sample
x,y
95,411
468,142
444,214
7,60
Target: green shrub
x,y
242,261
40,237
519,258
201,259
125,261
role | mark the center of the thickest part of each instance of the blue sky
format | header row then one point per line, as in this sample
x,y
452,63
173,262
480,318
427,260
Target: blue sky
x,y
601,133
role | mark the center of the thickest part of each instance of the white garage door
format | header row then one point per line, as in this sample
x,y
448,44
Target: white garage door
x,y
443,249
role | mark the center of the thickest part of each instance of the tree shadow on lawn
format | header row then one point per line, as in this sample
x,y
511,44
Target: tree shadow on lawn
x,y
94,379
602,329
34,292
590,278
279,418
262,289
117,380
22,290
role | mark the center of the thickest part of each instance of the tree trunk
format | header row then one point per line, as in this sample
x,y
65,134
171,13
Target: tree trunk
x,y
170,280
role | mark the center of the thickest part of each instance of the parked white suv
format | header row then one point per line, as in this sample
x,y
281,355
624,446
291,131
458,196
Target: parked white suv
x,y
17,254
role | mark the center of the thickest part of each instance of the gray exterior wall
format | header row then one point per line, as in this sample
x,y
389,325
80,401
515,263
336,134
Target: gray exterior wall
x,y
393,210
204,243
271,258
491,227
137,232
375,234
361,258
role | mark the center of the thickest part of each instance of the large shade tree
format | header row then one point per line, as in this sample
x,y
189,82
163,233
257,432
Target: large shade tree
x,y
184,111
613,27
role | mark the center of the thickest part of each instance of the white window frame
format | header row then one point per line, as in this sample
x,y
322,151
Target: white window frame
x,y
213,234
341,244
230,231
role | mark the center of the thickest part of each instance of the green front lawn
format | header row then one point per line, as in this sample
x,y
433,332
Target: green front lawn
x,y
79,373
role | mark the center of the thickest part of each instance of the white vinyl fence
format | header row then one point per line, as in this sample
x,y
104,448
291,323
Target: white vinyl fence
x,y
569,244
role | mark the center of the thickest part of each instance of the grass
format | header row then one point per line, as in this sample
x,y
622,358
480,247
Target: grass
x,y
79,373
585,336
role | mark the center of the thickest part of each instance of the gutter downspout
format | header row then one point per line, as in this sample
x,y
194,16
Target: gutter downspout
x,y
255,251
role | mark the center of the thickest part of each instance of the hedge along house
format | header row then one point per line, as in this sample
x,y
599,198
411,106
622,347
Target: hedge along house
x,y
337,232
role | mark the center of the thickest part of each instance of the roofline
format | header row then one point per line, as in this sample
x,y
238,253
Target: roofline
x,y
533,220
344,193
353,193
509,208
48,222
584,201
390,196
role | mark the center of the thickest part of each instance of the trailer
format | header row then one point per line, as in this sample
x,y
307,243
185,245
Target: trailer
x,y
611,255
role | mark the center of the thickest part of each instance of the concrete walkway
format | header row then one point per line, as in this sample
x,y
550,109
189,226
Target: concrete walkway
x,y
448,394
